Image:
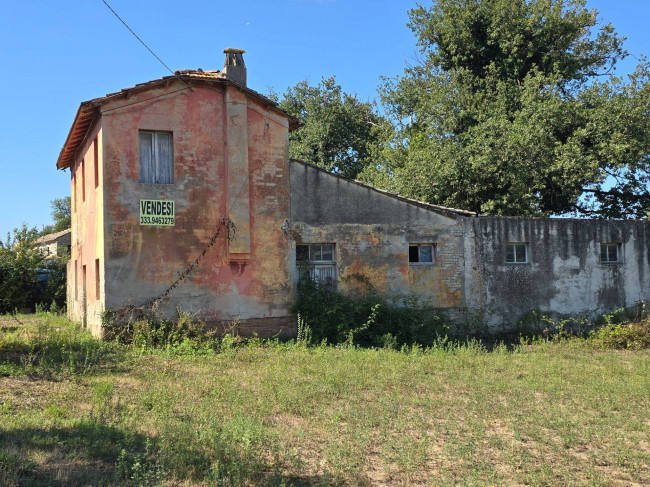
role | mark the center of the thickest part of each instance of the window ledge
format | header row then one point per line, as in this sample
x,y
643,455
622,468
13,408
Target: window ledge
x,y
421,264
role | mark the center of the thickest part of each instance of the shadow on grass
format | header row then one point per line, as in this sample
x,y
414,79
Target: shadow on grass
x,y
91,453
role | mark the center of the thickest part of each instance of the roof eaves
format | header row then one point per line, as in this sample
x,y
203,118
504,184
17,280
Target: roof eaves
x,y
88,110
83,119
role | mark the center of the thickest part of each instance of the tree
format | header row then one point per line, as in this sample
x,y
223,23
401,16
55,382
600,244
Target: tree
x,y
27,276
61,214
338,131
513,110
19,264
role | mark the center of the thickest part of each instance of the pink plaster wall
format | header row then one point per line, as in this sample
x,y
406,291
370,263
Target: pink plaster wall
x,y
142,261
87,233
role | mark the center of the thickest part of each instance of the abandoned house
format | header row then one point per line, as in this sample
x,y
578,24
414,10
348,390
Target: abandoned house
x,y
157,168
55,244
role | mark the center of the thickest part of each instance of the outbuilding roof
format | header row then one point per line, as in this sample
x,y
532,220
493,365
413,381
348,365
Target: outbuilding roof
x,y
90,110
53,237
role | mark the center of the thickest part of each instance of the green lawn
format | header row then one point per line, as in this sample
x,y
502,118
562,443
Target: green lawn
x,y
74,411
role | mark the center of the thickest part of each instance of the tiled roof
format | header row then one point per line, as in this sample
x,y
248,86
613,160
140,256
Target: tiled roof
x,y
51,237
89,110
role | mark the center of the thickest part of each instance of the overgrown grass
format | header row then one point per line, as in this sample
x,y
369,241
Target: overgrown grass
x,y
235,412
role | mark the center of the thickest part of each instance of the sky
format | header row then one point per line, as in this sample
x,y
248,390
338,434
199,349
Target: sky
x,y
54,55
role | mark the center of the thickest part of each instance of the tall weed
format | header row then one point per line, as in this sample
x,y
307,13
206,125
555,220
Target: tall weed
x,y
366,320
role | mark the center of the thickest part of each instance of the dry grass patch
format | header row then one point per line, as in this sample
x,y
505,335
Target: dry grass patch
x,y
277,414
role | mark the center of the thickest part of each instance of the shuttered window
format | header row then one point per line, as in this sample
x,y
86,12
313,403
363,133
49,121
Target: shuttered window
x,y
156,158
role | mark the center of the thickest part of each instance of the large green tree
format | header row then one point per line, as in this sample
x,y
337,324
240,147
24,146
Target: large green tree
x,y
338,132
513,109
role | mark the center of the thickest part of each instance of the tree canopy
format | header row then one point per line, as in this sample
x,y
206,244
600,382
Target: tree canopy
x,y
60,214
513,109
27,276
338,131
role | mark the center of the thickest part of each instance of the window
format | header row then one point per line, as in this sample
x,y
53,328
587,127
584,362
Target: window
x,y
76,282
96,161
317,261
156,160
610,252
516,253
422,254
83,180
96,278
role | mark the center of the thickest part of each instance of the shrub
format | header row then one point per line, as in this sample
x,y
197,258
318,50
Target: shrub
x,y
152,331
633,336
366,319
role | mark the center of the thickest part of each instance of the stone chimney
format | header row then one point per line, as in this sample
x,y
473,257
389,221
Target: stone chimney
x,y
234,66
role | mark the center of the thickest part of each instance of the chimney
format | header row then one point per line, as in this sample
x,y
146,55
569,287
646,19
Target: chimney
x,y
234,66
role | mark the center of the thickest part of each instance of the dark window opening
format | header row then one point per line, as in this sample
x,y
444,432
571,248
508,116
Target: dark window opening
x,y
422,254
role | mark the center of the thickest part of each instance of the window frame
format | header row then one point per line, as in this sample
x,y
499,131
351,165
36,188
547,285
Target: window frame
x,y
608,245
96,161
419,246
155,156
526,253
315,264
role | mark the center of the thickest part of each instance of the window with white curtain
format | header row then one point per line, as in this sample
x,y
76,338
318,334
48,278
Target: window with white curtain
x,y
156,157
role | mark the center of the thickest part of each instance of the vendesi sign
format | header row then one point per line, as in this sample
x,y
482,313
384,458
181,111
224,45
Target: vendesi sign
x,y
157,212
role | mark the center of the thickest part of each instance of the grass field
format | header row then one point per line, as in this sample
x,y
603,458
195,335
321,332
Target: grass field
x,y
75,411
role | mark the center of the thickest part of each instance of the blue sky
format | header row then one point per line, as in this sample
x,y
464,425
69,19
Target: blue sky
x,y
56,54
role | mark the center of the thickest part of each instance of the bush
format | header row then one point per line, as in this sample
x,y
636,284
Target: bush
x,y
151,331
366,320
634,336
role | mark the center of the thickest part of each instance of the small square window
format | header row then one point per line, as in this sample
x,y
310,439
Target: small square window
x,y
156,157
516,253
422,254
610,253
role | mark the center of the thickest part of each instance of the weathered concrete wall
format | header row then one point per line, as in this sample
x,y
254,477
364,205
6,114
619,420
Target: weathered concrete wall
x,y
85,303
564,274
371,232
142,261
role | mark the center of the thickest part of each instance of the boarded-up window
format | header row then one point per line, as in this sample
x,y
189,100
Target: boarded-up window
x,y
156,158
76,282
96,278
83,180
96,161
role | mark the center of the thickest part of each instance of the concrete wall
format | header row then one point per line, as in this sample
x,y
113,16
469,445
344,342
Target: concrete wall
x,y
371,232
564,274
230,159
86,291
